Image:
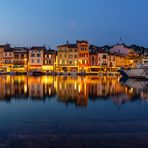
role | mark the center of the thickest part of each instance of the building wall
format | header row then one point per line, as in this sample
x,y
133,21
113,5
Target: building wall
x,y
120,49
68,58
35,58
103,59
1,55
20,58
93,59
83,48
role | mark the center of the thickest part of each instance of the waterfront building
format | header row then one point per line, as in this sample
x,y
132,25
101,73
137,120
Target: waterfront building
x,y
83,50
120,49
93,58
20,59
35,58
68,56
2,47
49,60
8,58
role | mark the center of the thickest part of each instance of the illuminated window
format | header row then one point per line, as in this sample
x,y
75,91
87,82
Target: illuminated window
x,y
85,61
75,62
45,61
50,56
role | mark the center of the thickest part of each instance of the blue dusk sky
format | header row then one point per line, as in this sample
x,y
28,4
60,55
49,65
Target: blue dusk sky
x,y
53,22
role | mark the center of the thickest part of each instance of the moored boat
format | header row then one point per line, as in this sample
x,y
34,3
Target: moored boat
x,y
139,72
37,73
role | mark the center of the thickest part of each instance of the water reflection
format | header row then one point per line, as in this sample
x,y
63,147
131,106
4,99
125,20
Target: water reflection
x,y
76,90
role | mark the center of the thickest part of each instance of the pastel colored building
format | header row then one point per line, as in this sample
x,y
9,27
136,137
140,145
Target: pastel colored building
x,y
120,49
8,58
83,50
35,58
49,60
68,56
20,59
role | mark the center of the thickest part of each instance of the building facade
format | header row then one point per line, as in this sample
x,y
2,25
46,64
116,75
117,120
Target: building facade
x,y
35,58
67,58
49,61
8,58
20,59
83,49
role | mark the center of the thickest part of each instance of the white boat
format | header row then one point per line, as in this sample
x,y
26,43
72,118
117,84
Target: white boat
x,y
74,73
139,72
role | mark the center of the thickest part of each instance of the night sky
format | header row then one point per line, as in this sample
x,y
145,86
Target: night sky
x,y
53,22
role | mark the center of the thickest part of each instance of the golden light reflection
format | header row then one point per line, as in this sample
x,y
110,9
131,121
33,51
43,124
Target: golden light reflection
x,y
68,89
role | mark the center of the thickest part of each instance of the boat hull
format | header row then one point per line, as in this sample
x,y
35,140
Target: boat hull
x,y
135,73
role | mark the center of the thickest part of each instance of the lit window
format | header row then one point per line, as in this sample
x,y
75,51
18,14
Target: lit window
x,y
45,61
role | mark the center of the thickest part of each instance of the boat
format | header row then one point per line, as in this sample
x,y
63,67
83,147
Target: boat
x,y
37,73
74,73
3,72
65,73
139,72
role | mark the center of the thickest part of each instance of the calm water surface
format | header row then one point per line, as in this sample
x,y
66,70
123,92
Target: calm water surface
x,y
64,111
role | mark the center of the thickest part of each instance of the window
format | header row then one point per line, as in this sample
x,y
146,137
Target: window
x,y
38,60
70,62
7,61
65,56
10,54
16,56
86,55
5,54
70,56
104,56
60,55
50,56
76,62
75,56
32,55
46,55
38,55
93,58
49,62
45,61
75,50
22,56
70,50
104,63
83,48
32,61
